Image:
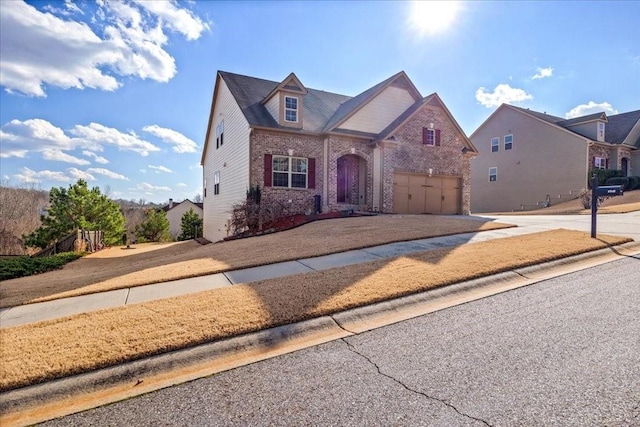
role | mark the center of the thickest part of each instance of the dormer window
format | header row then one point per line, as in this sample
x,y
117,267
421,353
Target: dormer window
x,y
600,131
291,109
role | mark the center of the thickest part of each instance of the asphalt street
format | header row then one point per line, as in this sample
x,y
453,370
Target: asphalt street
x,y
561,352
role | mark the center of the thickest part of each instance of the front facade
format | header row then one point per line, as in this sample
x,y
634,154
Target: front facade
x,y
386,150
529,160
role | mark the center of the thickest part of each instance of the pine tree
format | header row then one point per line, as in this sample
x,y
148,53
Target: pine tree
x,y
155,227
191,226
78,207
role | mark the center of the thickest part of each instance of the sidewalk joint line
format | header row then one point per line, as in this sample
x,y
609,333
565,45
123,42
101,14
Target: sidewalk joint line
x,y
353,349
126,300
308,266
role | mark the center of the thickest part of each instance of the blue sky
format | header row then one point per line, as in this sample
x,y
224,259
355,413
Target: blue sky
x,y
118,93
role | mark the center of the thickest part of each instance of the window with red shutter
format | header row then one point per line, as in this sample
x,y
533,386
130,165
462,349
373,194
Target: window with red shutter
x,y
267,170
437,137
311,173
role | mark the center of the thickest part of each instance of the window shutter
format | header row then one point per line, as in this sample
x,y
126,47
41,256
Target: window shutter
x,y
268,167
593,161
437,137
311,173
606,164
424,135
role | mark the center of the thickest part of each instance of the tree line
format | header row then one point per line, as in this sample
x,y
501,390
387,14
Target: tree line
x,y
31,218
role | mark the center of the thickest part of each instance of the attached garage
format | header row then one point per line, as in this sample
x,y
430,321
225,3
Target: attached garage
x,y
419,194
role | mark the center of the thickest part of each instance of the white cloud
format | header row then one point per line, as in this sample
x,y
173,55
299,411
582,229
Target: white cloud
x,y
78,174
159,169
181,144
41,48
96,134
95,157
195,166
29,176
59,156
37,135
180,20
107,173
542,73
590,108
502,94
148,188
181,184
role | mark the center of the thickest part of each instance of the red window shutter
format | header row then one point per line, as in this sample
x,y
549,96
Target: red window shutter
x,y
424,135
593,161
268,167
311,174
437,137
606,164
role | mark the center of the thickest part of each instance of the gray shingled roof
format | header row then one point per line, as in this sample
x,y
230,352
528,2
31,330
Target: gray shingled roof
x,y
617,128
620,125
318,106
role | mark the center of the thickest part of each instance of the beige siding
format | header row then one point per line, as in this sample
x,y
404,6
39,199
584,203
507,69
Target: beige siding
x,y
590,130
381,111
175,216
273,107
544,161
231,160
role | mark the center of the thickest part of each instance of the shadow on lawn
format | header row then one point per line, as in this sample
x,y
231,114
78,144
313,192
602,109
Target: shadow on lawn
x,y
87,275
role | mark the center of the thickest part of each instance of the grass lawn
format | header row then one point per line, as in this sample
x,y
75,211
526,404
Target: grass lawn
x,y
57,348
118,267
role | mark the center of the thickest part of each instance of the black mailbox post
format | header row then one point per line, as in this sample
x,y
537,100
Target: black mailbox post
x,y
608,190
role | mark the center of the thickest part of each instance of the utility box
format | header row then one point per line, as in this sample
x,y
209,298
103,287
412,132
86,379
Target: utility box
x,y
317,203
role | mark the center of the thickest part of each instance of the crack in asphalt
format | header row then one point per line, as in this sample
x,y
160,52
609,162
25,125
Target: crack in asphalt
x,y
353,349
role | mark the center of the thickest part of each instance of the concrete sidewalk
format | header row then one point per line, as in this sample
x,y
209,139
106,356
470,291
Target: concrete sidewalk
x,y
625,224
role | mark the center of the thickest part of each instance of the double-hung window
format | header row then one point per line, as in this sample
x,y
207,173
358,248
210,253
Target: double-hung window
x,y
220,134
429,137
493,174
290,172
508,142
495,145
290,109
216,183
599,162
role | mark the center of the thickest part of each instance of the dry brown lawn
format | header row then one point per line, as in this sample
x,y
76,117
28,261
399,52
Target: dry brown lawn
x,y
118,267
629,202
57,348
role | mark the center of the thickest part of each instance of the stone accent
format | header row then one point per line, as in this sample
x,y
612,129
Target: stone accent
x,y
598,151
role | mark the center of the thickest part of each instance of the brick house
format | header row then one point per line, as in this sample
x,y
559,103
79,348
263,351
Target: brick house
x,y
530,159
388,149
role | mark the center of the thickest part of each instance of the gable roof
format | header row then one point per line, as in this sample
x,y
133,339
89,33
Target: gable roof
x,y
290,83
434,98
249,92
166,207
354,104
619,126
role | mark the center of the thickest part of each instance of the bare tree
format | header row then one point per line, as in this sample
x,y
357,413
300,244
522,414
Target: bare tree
x,y
20,209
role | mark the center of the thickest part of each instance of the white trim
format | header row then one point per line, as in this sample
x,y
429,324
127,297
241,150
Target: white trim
x,y
495,168
289,172
295,110
510,142
495,139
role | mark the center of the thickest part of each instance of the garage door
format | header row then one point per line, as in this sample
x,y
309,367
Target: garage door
x,y
418,194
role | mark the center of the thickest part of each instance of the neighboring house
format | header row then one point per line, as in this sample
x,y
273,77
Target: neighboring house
x,y
529,159
175,211
388,149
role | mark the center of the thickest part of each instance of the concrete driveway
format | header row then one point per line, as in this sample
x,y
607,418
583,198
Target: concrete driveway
x,y
614,224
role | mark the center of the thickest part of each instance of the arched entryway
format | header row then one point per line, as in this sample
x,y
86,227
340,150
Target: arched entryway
x,y
351,184
624,166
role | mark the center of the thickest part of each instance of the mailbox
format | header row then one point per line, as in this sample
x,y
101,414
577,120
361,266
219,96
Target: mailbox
x,y
609,190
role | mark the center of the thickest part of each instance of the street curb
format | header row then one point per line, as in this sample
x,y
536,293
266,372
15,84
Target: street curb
x,y
41,402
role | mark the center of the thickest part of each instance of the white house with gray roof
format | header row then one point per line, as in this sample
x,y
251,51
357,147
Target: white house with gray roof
x,y
388,149
529,159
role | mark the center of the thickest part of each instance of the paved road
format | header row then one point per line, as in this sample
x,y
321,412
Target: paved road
x,y
561,352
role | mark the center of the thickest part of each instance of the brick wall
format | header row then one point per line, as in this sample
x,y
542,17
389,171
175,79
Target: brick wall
x,y
411,155
276,143
342,146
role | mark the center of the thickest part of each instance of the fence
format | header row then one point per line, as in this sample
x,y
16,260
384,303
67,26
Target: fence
x,y
79,241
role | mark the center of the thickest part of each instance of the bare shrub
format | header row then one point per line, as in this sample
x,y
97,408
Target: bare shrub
x,y
585,198
256,213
